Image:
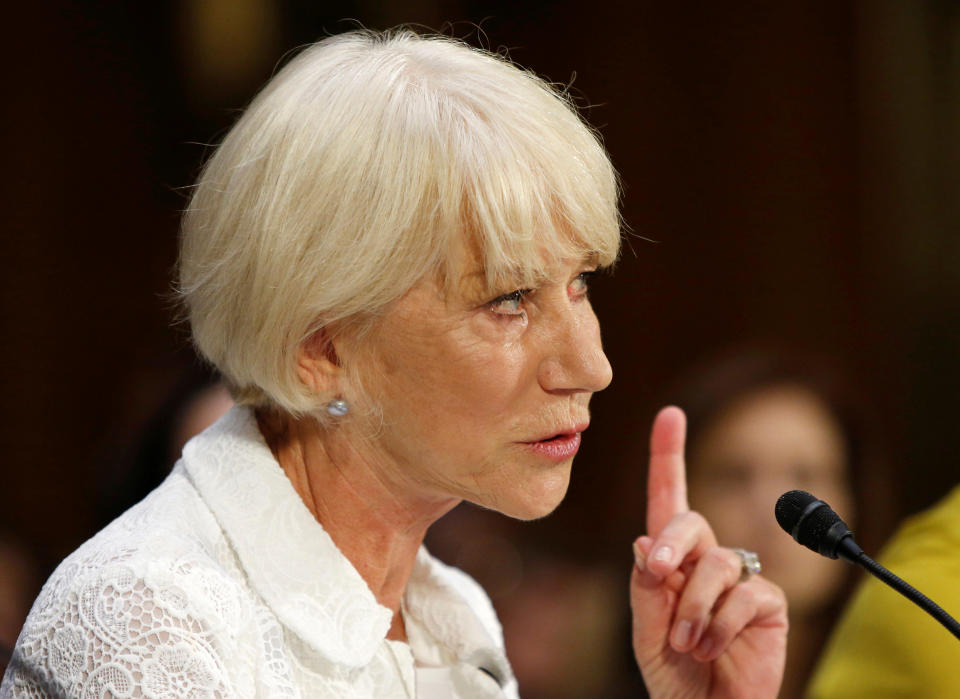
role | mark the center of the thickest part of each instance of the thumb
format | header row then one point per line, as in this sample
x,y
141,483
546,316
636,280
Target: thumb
x,y
652,600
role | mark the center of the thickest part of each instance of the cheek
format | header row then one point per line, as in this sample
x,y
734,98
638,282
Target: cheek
x,y
451,387
838,494
810,581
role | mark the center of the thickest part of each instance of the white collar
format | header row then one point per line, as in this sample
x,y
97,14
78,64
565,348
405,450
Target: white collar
x,y
298,570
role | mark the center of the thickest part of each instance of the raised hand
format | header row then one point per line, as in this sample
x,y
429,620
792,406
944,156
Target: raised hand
x,y
697,630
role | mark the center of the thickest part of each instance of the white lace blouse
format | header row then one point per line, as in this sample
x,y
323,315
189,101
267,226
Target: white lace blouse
x,y
222,584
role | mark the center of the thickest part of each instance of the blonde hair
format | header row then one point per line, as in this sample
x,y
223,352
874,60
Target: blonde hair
x,y
369,162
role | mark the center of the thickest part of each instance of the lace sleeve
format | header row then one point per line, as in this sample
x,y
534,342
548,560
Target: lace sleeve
x,y
162,631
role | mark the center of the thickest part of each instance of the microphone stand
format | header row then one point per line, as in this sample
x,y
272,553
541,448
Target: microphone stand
x,y
907,590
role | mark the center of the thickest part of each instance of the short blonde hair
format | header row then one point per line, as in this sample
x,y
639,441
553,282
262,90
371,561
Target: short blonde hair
x,y
363,166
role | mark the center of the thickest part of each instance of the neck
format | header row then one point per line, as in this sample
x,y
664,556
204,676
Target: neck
x,y
375,521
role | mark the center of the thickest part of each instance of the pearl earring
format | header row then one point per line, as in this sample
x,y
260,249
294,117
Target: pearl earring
x,y
338,407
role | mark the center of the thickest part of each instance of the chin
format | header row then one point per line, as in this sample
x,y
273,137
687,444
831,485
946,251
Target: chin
x,y
531,514
537,499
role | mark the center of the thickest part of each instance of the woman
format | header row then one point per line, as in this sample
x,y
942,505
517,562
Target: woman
x,y
763,423
387,259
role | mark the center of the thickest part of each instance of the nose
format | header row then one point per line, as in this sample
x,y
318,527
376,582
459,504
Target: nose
x,y
574,360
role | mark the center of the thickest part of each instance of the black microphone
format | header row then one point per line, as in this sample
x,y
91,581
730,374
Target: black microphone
x,y
814,524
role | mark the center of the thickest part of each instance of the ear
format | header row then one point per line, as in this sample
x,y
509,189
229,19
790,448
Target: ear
x,y
318,364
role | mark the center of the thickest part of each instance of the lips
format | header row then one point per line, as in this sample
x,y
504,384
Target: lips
x,y
559,446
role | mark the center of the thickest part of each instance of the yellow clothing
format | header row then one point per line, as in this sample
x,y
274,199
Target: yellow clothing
x,y
886,646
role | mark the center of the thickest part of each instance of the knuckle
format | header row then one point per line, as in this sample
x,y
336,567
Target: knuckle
x,y
778,592
680,527
725,561
717,557
768,590
693,606
745,596
681,520
722,629
778,597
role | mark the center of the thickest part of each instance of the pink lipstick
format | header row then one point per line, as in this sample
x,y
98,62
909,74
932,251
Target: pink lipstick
x,y
558,448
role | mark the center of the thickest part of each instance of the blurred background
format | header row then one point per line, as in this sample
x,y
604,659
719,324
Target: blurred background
x,y
789,175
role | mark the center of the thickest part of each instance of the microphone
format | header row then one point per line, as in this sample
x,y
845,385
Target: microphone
x,y
814,524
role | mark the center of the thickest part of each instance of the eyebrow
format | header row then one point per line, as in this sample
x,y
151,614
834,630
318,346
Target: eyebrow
x,y
474,282
589,259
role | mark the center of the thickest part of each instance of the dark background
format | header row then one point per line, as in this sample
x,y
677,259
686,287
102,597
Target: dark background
x,y
789,175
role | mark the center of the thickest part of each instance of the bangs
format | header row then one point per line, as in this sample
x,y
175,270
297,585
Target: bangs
x,y
517,244
535,187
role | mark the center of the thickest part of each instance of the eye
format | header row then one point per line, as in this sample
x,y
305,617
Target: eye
x,y
581,283
509,304
728,476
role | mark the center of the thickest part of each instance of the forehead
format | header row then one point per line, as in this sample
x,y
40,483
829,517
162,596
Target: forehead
x,y
788,421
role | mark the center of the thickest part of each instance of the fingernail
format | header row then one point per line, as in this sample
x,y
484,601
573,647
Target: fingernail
x,y
706,645
681,635
638,556
664,554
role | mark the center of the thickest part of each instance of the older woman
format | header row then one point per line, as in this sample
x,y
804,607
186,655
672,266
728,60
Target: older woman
x,y
387,259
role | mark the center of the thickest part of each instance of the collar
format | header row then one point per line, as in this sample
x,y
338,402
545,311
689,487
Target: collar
x,y
448,604
288,557
297,569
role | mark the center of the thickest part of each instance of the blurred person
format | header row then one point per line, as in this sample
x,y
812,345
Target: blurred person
x,y
884,645
387,260
763,423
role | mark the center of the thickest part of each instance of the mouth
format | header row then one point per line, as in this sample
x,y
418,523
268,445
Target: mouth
x,y
560,446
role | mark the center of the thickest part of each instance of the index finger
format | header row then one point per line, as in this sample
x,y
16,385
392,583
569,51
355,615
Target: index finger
x,y
667,477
